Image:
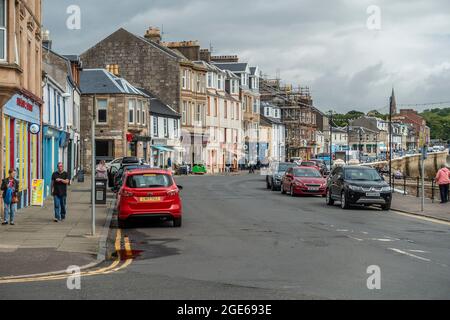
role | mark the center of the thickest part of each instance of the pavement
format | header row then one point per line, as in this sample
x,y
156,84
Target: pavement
x,y
242,241
38,245
413,205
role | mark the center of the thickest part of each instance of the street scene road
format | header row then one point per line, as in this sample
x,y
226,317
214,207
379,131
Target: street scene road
x,y
241,241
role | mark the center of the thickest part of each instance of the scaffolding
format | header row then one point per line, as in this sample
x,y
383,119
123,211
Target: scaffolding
x,y
298,115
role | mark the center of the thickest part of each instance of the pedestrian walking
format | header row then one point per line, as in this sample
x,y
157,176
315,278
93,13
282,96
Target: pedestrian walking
x,y
60,180
443,180
10,187
101,172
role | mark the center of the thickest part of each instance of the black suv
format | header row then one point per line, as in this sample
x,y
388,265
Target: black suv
x,y
354,185
276,173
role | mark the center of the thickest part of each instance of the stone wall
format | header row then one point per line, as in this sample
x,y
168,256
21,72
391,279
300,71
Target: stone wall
x,y
410,165
143,64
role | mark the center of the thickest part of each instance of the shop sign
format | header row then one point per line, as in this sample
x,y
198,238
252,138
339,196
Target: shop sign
x,y
23,104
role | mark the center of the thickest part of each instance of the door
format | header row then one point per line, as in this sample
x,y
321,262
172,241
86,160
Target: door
x,y
336,183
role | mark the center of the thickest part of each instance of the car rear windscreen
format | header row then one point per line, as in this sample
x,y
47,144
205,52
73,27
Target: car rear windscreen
x,y
362,175
146,181
282,167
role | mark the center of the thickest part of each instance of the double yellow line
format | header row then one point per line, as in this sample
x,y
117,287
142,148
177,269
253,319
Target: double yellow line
x,y
114,267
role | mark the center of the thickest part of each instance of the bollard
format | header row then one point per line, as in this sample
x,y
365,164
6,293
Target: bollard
x,y
418,187
432,190
404,185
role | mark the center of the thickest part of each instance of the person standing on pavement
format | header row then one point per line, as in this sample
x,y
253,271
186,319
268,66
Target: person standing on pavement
x,y
443,180
60,180
10,187
101,172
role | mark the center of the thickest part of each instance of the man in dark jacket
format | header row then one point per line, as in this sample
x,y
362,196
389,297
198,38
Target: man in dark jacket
x,y
10,204
60,180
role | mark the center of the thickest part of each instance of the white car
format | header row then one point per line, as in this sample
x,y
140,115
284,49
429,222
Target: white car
x,y
115,163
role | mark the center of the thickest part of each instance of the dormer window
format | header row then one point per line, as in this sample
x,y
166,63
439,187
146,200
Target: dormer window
x,y
220,82
210,80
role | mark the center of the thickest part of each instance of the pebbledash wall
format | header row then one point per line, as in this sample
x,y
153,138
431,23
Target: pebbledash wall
x,y
22,141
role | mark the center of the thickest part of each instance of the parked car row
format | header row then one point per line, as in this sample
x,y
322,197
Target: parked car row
x,y
348,185
144,193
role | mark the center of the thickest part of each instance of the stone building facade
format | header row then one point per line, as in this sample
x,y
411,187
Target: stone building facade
x,y
143,61
20,92
122,118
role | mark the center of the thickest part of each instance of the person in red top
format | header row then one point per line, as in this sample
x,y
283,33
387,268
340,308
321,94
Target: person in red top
x,y
443,180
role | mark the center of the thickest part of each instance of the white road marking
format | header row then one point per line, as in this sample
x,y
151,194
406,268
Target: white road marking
x,y
383,240
409,254
418,251
357,239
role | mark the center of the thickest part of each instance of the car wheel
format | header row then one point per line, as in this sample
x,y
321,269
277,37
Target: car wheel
x,y
330,200
344,202
177,222
386,207
273,187
283,191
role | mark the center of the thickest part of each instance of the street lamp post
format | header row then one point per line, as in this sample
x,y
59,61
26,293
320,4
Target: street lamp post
x,y
331,139
93,153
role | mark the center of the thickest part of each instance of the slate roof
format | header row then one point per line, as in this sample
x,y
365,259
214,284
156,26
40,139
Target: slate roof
x,y
232,66
100,81
159,108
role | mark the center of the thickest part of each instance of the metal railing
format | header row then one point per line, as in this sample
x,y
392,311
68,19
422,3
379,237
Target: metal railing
x,y
414,185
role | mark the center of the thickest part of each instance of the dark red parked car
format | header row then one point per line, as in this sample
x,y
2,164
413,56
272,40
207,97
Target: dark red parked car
x,y
304,181
149,193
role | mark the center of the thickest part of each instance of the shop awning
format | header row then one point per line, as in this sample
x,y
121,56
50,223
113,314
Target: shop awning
x,y
163,149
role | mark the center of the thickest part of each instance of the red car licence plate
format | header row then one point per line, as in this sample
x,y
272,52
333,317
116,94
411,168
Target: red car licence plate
x,y
150,199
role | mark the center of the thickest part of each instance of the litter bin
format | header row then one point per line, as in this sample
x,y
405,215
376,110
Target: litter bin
x,y
81,176
100,191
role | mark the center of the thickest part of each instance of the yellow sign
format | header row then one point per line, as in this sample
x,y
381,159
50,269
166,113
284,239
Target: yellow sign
x,y
37,192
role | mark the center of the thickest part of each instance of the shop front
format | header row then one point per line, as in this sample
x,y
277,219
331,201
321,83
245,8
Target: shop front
x,y
161,156
138,146
21,143
54,151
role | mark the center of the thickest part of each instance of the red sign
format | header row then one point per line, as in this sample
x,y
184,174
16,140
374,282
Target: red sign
x,y
23,104
130,137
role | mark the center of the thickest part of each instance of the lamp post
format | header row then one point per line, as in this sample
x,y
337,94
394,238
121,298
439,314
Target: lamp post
x,y
331,139
94,108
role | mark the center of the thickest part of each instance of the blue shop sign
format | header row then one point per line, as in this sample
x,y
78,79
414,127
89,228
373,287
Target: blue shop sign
x,y
22,108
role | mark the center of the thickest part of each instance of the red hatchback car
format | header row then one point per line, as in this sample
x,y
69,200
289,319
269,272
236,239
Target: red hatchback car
x,y
304,181
149,193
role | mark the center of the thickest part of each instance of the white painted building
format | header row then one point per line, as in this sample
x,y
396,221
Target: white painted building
x,y
60,115
165,131
277,145
223,119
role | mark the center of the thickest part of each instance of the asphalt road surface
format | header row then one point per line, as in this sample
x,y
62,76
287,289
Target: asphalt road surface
x,y
241,241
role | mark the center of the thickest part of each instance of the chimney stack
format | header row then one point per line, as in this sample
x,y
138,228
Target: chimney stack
x,y
225,59
205,55
153,34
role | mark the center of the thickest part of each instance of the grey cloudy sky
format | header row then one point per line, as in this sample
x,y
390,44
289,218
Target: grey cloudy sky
x,y
325,45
